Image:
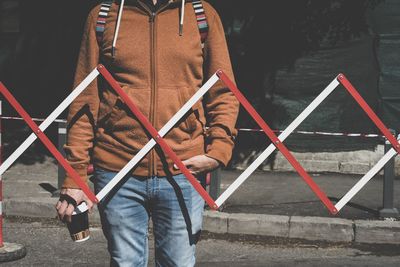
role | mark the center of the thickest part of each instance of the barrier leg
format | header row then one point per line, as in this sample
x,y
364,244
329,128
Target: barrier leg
x,y
215,183
8,251
62,139
388,210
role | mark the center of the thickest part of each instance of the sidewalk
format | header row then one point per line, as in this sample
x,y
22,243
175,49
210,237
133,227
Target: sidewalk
x,y
276,204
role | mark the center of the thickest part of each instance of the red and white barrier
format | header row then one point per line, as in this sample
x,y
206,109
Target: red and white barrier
x,y
383,129
38,131
271,148
47,122
277,142
157,137
340,79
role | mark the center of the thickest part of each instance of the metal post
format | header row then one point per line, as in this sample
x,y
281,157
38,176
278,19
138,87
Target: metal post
x,y
215,183
388,210
62,139
1,186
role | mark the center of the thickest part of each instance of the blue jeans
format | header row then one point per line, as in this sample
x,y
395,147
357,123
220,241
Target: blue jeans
x,y
176,210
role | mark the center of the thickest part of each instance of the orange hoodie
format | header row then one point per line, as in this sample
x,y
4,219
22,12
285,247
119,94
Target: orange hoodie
x,y
160,70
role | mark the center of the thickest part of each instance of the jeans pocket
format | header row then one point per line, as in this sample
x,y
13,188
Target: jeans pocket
x,y
183,181
101,178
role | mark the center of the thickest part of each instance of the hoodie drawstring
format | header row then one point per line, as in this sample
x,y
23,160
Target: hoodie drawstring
x,y
117,27
182,18
114,44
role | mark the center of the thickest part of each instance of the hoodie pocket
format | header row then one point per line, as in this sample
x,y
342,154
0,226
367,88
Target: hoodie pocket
x,y
170,101
107,102
195,116
122,125
189,118
168,104
118,111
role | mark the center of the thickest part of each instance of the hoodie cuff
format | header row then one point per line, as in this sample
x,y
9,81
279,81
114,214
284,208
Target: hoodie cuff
x,y
220,150
70,183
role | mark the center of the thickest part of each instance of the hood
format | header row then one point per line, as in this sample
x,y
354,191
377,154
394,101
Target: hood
x,y
121,10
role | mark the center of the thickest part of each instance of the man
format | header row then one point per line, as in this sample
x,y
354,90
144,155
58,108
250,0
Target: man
x,y
156,55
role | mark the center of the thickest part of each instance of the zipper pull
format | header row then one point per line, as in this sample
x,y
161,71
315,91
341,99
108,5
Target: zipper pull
x,y
153,15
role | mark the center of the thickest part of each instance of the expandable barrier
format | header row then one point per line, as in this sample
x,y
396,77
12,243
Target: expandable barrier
x,y
340,79
277,142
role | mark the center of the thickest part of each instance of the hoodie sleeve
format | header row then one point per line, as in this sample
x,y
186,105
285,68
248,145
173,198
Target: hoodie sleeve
x,y
221,105
83,111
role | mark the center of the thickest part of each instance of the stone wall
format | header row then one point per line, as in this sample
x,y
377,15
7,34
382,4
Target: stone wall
x,y
385,22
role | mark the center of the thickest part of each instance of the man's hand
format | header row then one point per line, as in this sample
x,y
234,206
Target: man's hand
x,y
65,210
200,164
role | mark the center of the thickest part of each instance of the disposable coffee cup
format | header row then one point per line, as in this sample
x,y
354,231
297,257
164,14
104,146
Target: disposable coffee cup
x,y
79,227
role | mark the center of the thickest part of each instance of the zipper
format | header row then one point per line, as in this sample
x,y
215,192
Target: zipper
x,y
153,96
153,165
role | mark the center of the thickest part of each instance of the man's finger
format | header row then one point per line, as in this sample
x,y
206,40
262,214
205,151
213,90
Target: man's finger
x,y
89,204
69,199
58,205
177,168
61,210
68,213
188,162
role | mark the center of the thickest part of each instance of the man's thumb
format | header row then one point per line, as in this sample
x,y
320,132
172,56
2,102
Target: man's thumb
x,y
185,162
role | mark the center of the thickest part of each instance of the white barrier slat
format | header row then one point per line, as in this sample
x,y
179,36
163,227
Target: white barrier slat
x,y
139,156
120,11
49,120
365,179
267,152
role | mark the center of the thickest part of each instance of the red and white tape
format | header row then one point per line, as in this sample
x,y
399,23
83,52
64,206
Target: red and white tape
x,y
317,133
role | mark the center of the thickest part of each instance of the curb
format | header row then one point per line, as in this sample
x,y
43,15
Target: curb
x,y
347,162
334,230
317,228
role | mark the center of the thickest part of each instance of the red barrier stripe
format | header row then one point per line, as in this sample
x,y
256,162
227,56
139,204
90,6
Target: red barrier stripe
x,y
153,132
53,150
314,187
371,114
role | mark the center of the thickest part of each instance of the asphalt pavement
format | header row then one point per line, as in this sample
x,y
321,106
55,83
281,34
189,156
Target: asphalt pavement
x,y
48,244
286,193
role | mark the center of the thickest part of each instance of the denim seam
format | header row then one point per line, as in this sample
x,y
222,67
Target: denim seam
x,y
155,238
145,258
